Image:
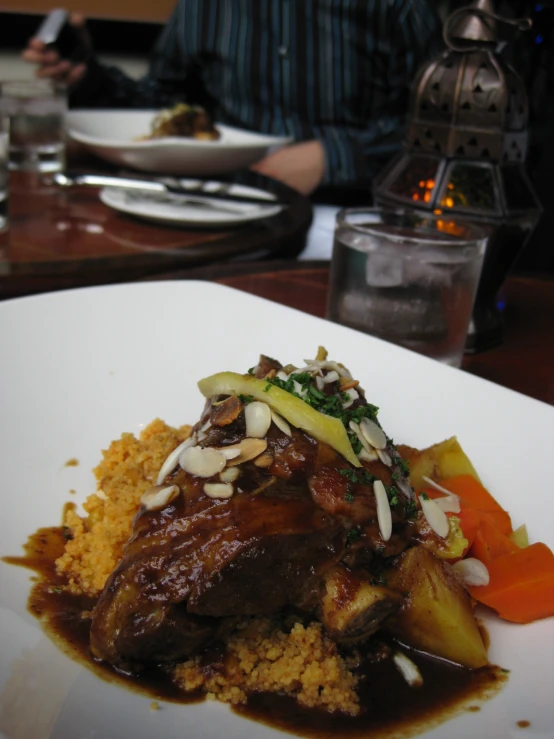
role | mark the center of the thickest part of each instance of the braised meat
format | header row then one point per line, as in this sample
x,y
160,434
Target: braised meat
x,y
254,515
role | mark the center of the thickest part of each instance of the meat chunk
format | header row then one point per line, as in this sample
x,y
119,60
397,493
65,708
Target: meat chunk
x,y
199,557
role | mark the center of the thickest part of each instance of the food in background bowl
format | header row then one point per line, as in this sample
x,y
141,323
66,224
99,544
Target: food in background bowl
x,y
183,120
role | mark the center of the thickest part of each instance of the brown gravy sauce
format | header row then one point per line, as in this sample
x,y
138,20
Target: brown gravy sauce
x,y
391,708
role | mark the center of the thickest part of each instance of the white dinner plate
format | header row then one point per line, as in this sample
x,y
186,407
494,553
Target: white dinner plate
x,y
81,367
114,135
174,210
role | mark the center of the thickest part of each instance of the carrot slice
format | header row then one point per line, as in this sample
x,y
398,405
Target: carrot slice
x,y
474,494
489,541
521,587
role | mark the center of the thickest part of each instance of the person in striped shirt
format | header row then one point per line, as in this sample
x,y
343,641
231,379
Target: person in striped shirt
x,y
335,75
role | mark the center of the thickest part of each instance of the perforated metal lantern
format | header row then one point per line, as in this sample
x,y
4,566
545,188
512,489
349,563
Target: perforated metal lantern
x,y
464,152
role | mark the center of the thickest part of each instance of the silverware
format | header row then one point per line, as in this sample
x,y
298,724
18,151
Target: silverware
x,y
195,195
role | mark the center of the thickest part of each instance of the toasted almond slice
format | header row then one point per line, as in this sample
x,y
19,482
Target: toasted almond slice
x,y
373,433
319,382
281,424
435,485
332,376
264,460
173,459
229,474
449,504
282,375
384,516
229,452
202,462
352,396
363,441
219,489
258,419
471,571
384,457
408,669
347,384
366,456
249,449
158,497
436,517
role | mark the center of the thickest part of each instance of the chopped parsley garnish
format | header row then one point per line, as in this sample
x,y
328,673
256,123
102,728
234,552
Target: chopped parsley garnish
x,y
424,495
360,476
352,536
355,442
410,509
392,495
349,498
404,466
350,474
245,399
330,405
251,370
395,475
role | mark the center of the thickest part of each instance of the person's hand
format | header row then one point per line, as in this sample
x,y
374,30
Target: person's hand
x,y
300,166
48,61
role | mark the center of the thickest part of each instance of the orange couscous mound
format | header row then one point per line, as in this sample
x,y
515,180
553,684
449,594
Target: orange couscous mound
x,y
128,467
262,654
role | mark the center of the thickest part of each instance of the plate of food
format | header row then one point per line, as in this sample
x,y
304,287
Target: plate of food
x,y
181,140
199,540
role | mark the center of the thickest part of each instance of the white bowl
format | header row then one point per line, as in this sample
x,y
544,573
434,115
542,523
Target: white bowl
x,y
113,135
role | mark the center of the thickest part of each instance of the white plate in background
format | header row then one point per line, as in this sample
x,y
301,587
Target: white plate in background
x,y
172,209
81,367
113,135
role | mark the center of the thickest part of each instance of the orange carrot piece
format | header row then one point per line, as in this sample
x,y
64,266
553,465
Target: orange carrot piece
x,y
521,587
489,541
474,494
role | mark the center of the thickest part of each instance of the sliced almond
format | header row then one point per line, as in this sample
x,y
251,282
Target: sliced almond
x,y
361,438
408,669
373,433
384,457
366,456
202,462
384,516
258,419
435,485
264,460
332,376
219,489
281,424
471,571
158,497
436,517
449,503
173,459
346,384
249,449
229,452
229,474
352,396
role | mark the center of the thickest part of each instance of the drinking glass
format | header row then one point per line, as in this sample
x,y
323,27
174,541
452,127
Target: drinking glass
x,y
36,111
407,278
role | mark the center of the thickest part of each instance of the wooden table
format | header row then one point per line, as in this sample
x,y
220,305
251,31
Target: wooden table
x,y
60,240
524,362
69,238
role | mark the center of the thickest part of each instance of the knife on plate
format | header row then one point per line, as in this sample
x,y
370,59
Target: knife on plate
x,y
193,195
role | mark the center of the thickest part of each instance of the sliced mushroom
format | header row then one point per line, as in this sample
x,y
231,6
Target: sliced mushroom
x,y
224,413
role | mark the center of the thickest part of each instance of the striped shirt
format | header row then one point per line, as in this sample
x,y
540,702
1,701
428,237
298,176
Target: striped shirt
x,y
338,71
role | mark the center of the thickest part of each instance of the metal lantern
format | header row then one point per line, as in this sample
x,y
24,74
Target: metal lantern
x,y
464,152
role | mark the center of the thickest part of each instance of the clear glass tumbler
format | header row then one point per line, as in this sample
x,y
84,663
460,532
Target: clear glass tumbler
x,y
406,278
36,110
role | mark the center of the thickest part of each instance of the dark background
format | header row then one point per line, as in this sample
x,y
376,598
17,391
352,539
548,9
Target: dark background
x,y
530,53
